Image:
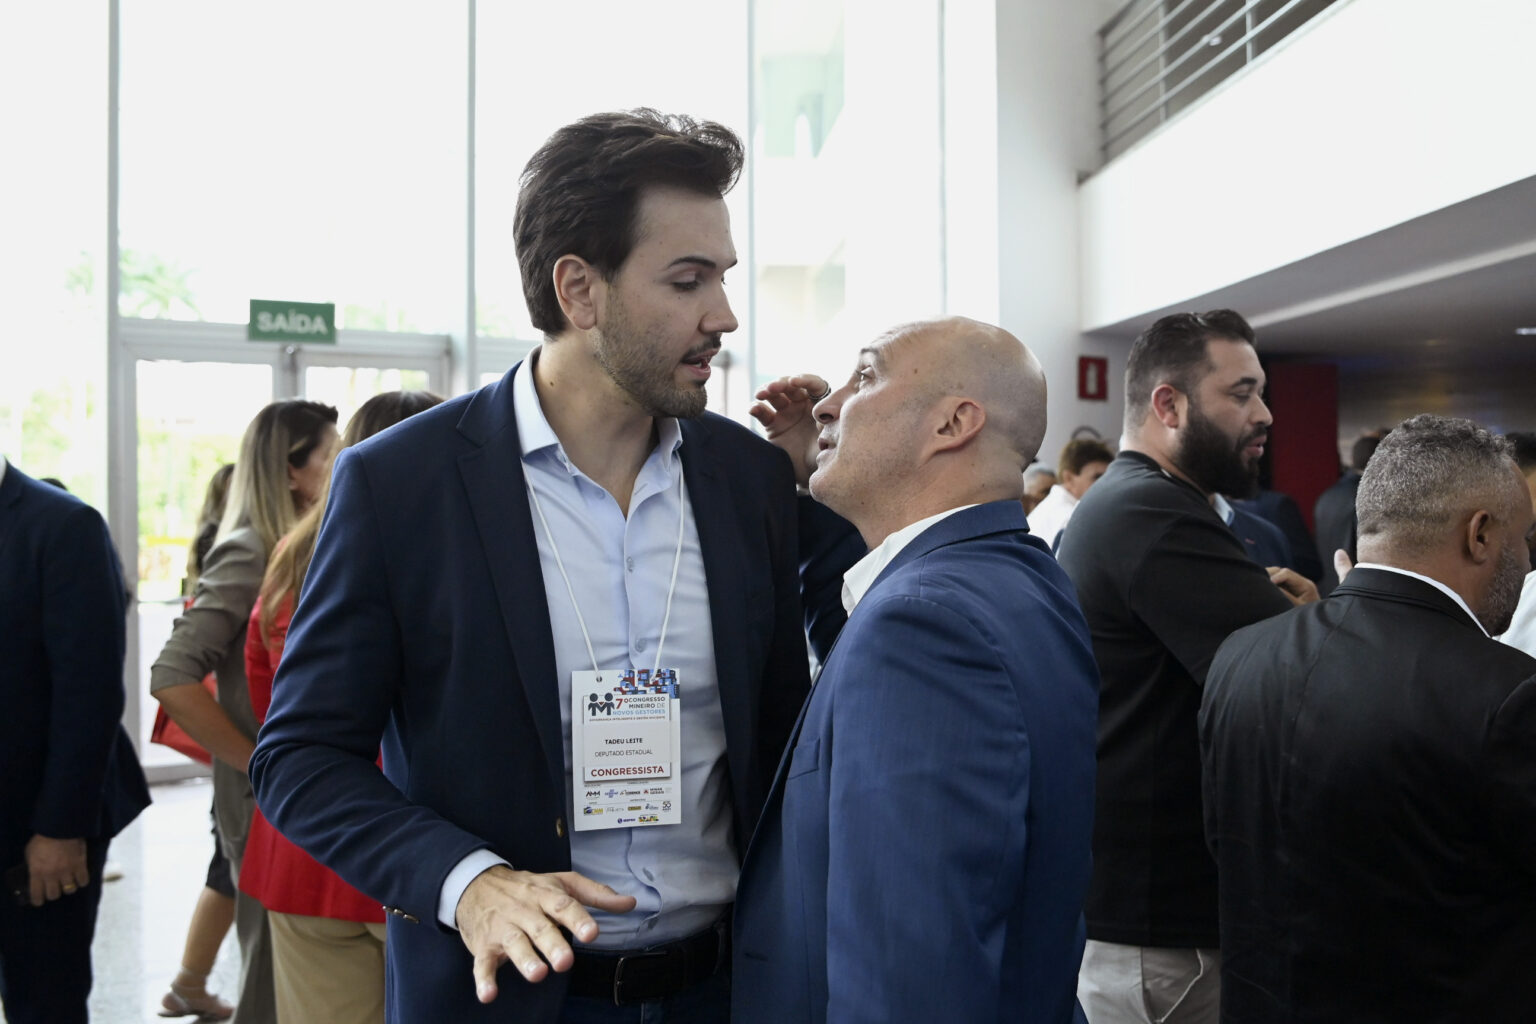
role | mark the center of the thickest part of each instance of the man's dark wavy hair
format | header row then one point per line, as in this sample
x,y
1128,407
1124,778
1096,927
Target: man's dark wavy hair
x,y
1173,351
581,192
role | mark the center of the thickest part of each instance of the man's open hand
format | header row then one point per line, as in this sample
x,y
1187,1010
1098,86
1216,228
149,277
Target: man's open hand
x,y
515,916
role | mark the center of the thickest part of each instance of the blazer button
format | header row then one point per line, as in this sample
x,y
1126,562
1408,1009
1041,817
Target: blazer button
x,y
560,827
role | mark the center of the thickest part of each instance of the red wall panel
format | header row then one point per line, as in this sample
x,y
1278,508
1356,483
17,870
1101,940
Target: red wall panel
x,y
1304,446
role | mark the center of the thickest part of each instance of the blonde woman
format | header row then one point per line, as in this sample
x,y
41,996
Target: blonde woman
x,y
327,938
282,468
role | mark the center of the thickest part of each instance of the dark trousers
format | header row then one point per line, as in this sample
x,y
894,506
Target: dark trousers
x,y
708,1002
45,952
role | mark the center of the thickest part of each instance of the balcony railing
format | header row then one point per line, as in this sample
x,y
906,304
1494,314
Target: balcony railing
x,y
1157,57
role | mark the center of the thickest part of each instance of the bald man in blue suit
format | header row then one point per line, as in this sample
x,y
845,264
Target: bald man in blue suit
x,y
924,852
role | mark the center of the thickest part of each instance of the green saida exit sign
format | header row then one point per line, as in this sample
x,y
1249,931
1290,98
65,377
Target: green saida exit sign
x,y
314,322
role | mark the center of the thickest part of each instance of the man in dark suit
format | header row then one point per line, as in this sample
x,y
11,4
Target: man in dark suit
x,y
1281,511
486,565
69,778
925,849
1370,789
1334,512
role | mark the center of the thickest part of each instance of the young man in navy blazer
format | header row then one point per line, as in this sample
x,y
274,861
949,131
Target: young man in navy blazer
x,y
925,849
583,514
69,778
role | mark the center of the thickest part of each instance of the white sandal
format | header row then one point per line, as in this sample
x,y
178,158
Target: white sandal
x,y
207,1006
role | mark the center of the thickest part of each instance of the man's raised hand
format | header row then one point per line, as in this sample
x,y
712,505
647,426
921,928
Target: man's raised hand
x,y
785,409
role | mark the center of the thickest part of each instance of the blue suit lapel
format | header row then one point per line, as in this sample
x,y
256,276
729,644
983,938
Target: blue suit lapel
x,y
713,509
776,790
992,517
498,500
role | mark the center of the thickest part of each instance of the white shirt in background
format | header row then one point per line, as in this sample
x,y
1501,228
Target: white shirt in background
x,y
1522,629
1048,518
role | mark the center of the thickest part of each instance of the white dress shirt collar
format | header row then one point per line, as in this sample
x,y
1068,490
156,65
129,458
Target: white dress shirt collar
x,y
535,434
3,465
1447,591
1223,508
858,580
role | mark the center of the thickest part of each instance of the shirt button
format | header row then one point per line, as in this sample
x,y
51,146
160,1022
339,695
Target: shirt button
x,y
640,645
629,563
560,828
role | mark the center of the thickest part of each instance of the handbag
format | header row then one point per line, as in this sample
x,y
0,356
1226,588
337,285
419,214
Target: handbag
x,y
167,733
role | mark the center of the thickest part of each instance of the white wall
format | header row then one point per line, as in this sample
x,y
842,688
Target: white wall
x,y
1046,103
1377,112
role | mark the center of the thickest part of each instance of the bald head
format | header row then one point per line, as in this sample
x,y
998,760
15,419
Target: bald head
x,y
938,413
965,358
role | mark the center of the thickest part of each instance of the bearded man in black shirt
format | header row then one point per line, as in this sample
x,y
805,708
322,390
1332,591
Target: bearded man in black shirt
x,y
1163,581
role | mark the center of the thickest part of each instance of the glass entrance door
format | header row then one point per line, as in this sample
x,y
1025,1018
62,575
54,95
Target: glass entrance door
x,y
191,416
194,389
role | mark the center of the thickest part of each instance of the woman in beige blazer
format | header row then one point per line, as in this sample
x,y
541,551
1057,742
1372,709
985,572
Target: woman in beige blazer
x,y
282,468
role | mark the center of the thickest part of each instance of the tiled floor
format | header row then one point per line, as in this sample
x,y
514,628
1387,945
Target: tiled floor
x,y
143,920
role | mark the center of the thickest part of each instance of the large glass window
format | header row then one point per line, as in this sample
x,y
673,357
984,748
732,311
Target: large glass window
x,y
348,387
53,385
847,179
293,150
534,75
191,416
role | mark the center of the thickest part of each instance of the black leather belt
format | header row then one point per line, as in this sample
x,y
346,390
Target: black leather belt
x,y
637,976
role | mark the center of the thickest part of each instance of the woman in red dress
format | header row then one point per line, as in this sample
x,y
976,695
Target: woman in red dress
x,y
327,938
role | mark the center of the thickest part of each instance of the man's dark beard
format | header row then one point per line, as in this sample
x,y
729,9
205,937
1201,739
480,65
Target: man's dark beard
x,y
1210,459
634,355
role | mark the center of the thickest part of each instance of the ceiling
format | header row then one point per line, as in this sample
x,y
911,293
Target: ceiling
x,y
1443,291
1438,321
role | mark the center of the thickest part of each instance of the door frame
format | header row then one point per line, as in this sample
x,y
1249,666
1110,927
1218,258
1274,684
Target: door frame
x,y
191,341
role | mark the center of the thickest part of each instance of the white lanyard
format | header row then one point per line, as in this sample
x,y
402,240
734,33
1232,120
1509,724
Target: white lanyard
x,y
677,559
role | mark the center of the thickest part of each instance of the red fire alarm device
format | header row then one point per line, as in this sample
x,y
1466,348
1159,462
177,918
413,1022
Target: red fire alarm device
x,y
1092,378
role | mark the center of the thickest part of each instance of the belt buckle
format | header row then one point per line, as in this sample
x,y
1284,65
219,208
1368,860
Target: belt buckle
x,y
618,973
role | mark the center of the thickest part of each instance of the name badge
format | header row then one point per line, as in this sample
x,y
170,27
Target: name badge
x,y
626,751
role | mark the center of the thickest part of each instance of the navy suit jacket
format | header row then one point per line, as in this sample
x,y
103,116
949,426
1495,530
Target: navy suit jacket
x,y
1262,539
925,850
67,769
1281,511
423,621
